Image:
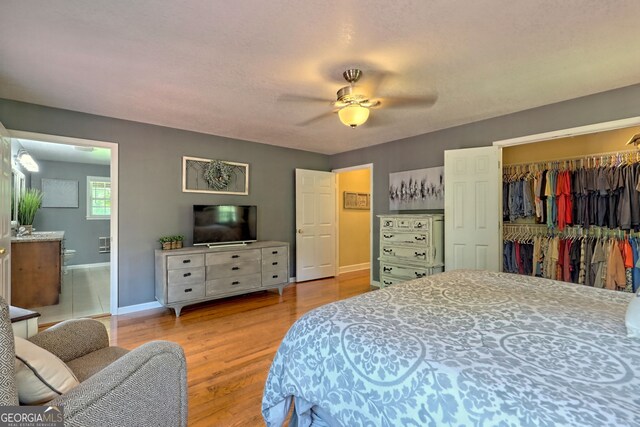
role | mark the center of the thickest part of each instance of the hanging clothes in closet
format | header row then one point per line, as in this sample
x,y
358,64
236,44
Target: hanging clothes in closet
x,y
594,191
606,261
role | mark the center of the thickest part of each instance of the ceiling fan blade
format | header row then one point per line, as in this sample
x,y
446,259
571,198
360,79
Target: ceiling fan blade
x,y
409,101
287,97
317,118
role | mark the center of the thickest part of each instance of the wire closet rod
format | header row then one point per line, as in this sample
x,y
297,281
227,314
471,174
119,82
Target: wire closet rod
x,y
582,157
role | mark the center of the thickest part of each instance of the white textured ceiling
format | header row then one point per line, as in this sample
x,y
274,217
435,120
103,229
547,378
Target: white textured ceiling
x,y
222,67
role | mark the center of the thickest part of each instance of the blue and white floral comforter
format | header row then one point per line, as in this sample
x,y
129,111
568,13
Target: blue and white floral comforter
x,y
462,348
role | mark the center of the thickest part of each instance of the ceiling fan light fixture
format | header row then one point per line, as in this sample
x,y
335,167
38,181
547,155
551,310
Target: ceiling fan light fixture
x,y
353,115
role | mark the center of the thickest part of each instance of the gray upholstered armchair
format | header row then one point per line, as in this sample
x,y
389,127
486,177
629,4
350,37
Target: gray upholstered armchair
x,y
146,386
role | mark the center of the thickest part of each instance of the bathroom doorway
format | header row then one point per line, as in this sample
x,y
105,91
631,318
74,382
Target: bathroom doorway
x,y
78,179
354,218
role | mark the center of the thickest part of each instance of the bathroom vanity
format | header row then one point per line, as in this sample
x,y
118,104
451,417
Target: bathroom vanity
x,y
36,269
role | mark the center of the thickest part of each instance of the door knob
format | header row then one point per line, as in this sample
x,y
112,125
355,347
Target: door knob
x,y
299,230
2,251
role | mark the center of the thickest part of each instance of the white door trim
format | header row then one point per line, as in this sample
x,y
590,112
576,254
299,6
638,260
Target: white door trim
x,y
564,133
371,192
113,306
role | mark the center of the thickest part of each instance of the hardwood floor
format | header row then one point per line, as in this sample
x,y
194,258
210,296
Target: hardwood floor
x,y
230,343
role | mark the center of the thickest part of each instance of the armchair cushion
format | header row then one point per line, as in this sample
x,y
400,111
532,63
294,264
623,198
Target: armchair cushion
x,y
73,338
91,363
40,375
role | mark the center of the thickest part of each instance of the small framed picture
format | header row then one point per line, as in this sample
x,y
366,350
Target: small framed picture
x,y
356,200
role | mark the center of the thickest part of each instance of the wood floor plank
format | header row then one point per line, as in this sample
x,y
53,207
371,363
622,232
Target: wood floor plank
x,y
230,344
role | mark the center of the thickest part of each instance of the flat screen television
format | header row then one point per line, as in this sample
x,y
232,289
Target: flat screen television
x,y
224,224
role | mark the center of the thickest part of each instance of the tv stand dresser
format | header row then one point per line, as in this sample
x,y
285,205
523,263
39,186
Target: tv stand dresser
x,y
196,274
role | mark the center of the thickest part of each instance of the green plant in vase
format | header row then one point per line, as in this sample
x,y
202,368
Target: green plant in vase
x,y
28,206
166,242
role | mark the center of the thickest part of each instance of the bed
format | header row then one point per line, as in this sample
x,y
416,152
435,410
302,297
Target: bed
x,y
462,348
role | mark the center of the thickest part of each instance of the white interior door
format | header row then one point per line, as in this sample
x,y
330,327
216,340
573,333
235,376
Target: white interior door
x,y
315,224
473,209
5,214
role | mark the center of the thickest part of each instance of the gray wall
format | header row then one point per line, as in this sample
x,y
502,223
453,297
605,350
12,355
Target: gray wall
x,y
80,234
428,150
151,201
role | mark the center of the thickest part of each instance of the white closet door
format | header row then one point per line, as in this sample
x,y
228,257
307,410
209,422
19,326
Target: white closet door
x,y
473,209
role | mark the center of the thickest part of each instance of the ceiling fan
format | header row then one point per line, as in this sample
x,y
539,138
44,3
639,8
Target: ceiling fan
x,y
353,106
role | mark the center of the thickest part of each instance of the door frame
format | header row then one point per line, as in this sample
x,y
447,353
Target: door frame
x,y
575,131
371,192
113,273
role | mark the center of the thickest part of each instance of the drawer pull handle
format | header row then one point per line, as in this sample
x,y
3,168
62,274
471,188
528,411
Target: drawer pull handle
x,y
387,251
274,252
419,254
186,274
186,261
235,283
274,263
188,290
419,225
235,256
387,269
275,276
236,268
420,238
419,275
386,282
387,236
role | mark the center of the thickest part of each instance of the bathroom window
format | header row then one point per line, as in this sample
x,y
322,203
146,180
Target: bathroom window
x,y
98,197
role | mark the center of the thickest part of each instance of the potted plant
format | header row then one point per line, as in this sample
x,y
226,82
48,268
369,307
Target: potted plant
x,y
165,242
178,241
28,205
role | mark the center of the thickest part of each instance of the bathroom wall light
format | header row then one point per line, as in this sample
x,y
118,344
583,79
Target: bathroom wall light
x,y
27,161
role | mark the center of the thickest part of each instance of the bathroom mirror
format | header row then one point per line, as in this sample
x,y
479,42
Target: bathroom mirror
x,y
18,182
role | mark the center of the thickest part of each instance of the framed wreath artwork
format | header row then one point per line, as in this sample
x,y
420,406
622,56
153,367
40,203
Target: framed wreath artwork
x,y
214,176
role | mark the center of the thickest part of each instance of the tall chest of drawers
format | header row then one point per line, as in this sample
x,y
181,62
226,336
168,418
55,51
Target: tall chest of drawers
x,y
192,275
411,246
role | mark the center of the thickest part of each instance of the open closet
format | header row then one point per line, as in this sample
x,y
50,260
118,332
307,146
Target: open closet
x,y
571,209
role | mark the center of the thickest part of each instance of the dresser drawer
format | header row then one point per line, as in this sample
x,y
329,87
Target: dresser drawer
x,y
183,276
185,261
387,223
233,256
389,280
422,254
233,269
403,271
421,224
419,239
185,292
276,262
231,284
276,277
406,272
275,252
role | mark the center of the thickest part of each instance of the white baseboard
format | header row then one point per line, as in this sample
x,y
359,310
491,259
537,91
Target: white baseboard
x,y
94,265
354,267
139,307
292,279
